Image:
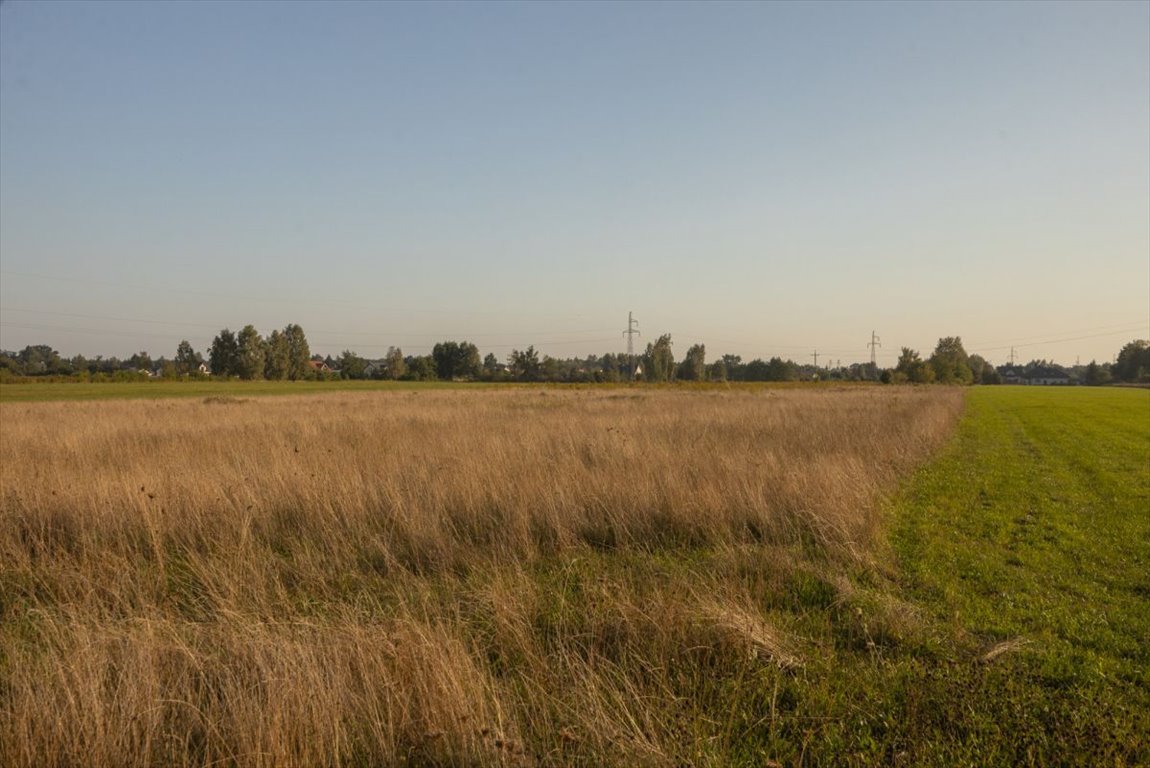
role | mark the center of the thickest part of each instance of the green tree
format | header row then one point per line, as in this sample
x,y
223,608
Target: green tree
x,y
10,363
911,367
1096,375
549,369
1133,363
694,365
141,361
981,371
612,367
525,365
39,359
394,366
421,368
779,369
658,360
223,354
277,356
456,360
298,355
950,362
351,365
490,365
757,370
187,359
251,354
734,366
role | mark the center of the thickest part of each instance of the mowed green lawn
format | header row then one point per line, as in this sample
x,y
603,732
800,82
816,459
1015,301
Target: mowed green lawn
x,y
1028,544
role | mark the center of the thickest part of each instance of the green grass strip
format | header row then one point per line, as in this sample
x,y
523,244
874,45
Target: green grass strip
x,y
1030,540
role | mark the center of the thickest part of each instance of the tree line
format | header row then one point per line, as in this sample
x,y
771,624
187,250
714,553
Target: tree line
x,y
285,355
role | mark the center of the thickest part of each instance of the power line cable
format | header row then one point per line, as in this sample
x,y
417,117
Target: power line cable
x,y
293,301
216,327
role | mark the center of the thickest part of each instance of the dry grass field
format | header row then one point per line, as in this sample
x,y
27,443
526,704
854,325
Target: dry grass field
x,y
495,577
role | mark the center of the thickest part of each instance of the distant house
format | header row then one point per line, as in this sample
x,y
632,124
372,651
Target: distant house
x,y
1011,374
319,366
203,369
1038,375
1048,376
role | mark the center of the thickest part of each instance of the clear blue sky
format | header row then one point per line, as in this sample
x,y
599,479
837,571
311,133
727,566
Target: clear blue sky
x,y
764,178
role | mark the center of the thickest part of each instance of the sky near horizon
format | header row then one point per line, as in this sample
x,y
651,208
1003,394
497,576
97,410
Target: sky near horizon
x,y
765,178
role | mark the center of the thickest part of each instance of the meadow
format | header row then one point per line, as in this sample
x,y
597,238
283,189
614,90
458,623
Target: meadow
x,y
548,576
24,391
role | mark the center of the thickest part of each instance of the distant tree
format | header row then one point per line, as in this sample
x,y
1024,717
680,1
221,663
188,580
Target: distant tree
x,y
612,367
950,362
550,369
223,354
717,371
525,365
393,364
351,365
911,367
421,368
10,363
734,366
187,360
658,360
469,364
1133,363
277,356
456,360
756,370
141,361
694,365
782,370
298,354
490,365
982,371
251,354
1096,375
445,354
39,359
775,369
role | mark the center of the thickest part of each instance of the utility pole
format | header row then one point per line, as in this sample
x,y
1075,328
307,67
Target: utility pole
x,y
816,357
1012,357
874,342
632,329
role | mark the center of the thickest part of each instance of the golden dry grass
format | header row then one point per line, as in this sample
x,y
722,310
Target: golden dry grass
x,y
416,577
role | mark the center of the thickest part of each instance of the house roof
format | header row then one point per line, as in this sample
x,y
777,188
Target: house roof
x,y
1044,372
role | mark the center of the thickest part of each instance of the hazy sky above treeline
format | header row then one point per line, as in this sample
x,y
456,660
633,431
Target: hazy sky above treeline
x,y
764,178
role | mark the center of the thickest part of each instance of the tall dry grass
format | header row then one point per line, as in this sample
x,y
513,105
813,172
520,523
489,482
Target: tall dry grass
x,y
496,577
